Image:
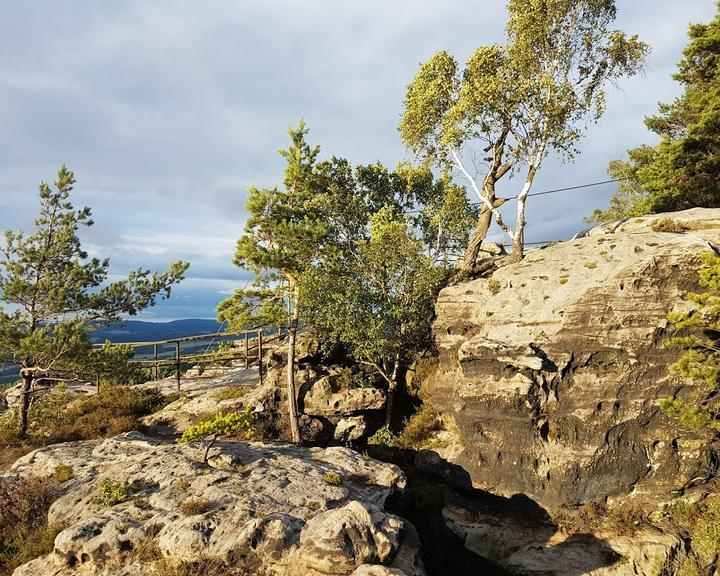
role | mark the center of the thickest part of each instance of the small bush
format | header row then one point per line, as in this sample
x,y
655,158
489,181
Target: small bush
x,y
195,506
590,265
426,367
111,493
332,478
494,285
63,473
24,531
242,424
669,225
419,428
383,437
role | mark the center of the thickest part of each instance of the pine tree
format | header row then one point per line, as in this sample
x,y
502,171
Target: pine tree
x,y
683,170
57,295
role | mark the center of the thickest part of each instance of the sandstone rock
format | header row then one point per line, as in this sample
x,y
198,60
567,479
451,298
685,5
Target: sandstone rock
x,y
553,368
350,428
339,540
375,570
321,400
264,507
527,548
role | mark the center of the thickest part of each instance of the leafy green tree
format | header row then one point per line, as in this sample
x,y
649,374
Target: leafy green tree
x,y
378,301
682,170
700,360
513,104
284,235
56,295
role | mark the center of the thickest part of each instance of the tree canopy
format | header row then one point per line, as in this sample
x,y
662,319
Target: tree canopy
x,y
683,170
515,103
55,295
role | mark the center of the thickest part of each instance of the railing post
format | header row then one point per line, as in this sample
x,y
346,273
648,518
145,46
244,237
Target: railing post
x,y
260,355
177,364
247,350
155,357
97,383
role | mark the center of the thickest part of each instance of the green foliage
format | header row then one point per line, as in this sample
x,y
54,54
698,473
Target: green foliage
x,y
681,171
378,300
700,360
57,294
332,478
110,493
24,531
382,437
521,100
701,520
243,422
420,428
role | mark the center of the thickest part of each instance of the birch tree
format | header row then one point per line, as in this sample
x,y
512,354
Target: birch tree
x,y
515,103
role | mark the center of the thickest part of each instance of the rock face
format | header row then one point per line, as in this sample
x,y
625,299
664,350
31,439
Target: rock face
x,y
552,368
270,509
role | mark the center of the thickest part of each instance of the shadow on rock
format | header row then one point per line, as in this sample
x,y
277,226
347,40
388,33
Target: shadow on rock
x,y
466,531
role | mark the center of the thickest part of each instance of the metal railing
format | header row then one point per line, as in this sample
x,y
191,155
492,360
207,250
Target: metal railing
x,y
252,351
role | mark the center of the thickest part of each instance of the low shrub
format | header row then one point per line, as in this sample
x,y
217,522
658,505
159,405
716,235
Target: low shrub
x,y
59,416
332,478
242,424
24,530
110,493
231,392
382,437
419,428
195,506
669,225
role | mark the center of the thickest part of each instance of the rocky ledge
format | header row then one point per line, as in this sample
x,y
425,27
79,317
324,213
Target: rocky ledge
x,y
267,509
551,369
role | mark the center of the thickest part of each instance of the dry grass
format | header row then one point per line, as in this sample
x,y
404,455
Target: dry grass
x,y
494,285
332,478
231,392
195,506
208,567
24,530
420,428
669,225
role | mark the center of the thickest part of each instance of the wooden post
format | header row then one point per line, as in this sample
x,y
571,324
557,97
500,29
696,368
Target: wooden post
x,y
156,362
97,383
260,367
177,364
247,350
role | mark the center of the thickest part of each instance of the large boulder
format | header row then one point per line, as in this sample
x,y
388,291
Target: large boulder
x,y
272,509
552,369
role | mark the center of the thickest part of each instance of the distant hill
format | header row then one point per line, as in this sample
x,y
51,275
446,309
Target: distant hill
x,y
140,331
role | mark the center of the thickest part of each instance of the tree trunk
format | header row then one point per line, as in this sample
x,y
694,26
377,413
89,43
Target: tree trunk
x,y
477,238
24,407
291,393
392,387
518,248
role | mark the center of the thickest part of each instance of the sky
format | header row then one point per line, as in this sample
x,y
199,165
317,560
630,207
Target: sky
x,y
168,111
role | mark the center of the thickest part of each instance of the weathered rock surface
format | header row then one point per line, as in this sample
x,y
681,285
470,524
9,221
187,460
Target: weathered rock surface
x,y
322,400
273,509
552,369
526,549
200,397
